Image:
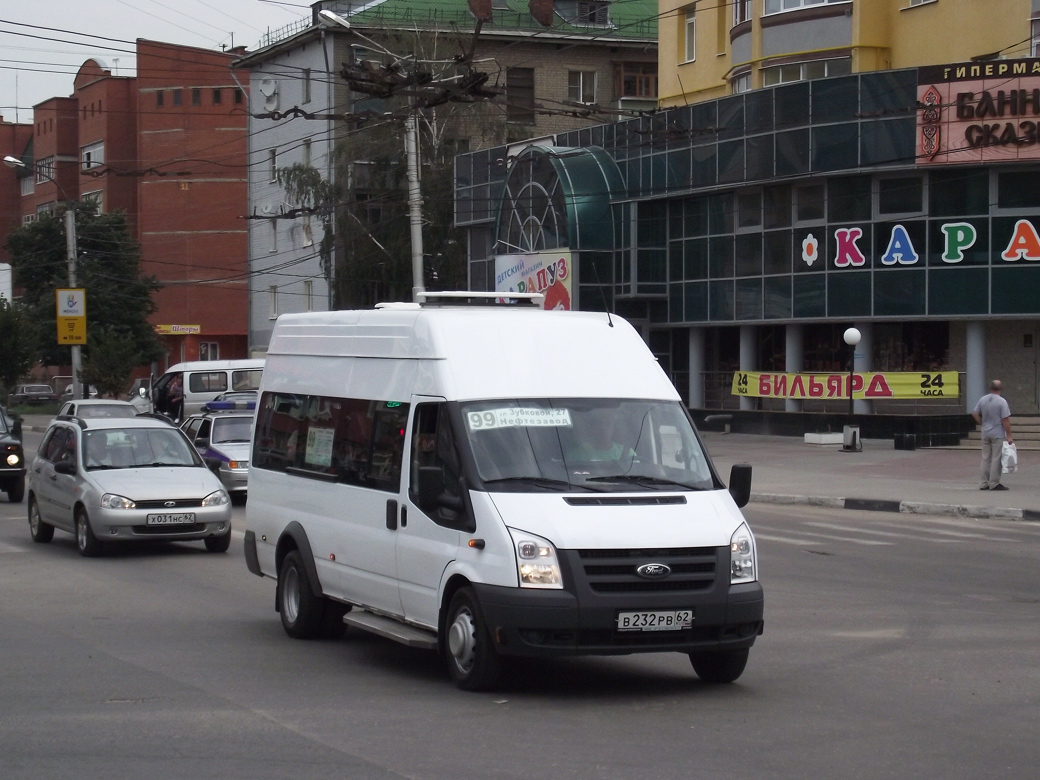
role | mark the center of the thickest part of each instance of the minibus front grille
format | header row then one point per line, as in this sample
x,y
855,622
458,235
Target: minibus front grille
x,y
617,571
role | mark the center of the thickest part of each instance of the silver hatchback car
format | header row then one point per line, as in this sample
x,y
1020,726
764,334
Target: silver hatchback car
x,y
116,479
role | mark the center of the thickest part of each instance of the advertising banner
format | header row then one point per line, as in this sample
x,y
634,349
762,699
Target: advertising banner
x,y
72,315
548,273
881,385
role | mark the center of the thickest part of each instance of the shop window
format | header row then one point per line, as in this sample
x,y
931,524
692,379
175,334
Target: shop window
x,y
1017,190
849,199
810,202
901,196
776,206
749,209
911,346
963,192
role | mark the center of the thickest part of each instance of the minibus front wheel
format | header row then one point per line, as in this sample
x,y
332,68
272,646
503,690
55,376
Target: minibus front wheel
x,y
473,662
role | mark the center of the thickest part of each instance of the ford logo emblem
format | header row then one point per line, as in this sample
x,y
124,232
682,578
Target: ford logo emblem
x,y
169,503
653,571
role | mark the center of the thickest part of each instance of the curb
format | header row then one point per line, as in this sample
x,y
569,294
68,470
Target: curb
x,y
908,507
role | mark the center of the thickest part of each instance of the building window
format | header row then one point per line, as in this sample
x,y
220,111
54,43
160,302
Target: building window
x,y
46,208
92,155
584,13
96,199
216,97
581,86
274,235
238,97
44,170
196,96
636,79
177,96
691,35
307,152
741,11
306,85
921,2
1035,46
520,95
27,184
28,219
209,350
308,295
805,71
741,83
272,293
779,6
307,231
904,195
272,163
159,97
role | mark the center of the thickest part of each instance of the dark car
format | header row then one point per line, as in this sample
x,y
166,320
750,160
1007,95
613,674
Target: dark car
x,y
12,463
31,394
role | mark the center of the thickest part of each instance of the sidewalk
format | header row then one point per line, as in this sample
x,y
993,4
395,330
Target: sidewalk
x,y
786,470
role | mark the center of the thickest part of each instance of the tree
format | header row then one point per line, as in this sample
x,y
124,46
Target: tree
x,y
119,298
110,361
17,343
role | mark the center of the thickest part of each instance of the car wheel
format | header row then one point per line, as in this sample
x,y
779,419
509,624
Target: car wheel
x,y
16,491
723,666
302,611
218,544
40,531
88,544
472,660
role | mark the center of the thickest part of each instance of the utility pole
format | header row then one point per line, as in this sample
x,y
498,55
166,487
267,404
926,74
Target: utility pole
x,y
70,253
411,148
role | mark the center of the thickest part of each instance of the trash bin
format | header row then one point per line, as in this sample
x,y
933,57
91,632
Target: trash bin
x,y
850,439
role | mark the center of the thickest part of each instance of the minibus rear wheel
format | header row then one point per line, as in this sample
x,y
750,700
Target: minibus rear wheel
x,y
302,612
722,666
473,662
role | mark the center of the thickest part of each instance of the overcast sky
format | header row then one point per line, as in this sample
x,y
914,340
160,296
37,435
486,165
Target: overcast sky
x,y
44,42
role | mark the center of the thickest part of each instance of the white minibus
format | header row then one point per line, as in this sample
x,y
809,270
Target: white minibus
x,y
186,387
487,479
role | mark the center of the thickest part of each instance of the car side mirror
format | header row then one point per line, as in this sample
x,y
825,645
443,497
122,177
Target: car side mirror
x,y
202,442
16,428
143,392
65,467
740,483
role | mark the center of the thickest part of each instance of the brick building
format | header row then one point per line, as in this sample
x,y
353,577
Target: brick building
x,y
168,147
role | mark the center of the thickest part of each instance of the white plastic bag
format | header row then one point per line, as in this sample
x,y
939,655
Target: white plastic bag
x,y
1009,458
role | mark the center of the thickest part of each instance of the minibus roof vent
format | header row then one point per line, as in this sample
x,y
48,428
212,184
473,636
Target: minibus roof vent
x,y
467,298
398,306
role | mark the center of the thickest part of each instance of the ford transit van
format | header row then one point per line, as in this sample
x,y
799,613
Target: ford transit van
x,y
186,387
490,480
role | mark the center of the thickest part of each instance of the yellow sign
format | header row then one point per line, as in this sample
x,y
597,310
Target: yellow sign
x,y
178,330
72,315
888,384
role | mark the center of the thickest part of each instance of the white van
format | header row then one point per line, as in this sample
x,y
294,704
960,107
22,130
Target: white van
x,y
494,480
201,381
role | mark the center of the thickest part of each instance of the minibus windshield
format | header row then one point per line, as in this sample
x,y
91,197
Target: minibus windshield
x,y
594,444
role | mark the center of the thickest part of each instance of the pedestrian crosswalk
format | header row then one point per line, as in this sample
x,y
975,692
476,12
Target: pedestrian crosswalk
x,y
821,527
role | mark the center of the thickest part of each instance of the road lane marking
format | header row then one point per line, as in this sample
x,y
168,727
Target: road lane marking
x,y
783,539
875,532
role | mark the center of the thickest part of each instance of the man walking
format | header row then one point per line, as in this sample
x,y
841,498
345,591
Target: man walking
x,y
993,414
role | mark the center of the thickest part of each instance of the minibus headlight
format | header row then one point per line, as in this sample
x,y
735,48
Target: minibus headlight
x,y
13,459
743,564
536,562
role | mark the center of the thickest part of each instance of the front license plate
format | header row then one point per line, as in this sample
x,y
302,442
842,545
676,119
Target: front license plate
x,y
672,620
178,518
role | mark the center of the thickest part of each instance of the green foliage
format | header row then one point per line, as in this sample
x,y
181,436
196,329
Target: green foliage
x,y
110,362
108,267
17,343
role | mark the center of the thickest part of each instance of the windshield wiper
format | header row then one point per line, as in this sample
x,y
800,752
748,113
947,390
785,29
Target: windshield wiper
x,y
643,479
546,482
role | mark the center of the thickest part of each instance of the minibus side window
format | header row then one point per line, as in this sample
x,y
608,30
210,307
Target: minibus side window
x,y
433,444
207,382
246,380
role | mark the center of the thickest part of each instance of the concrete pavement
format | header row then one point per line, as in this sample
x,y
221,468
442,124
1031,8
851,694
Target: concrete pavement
x,y
786,470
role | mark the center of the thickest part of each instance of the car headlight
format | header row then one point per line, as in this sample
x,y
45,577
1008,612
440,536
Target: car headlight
x,y
112,501
536,561
743,565
13,459
216,498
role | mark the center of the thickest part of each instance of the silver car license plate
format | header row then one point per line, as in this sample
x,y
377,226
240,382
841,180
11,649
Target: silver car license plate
x,y
661,620
171,518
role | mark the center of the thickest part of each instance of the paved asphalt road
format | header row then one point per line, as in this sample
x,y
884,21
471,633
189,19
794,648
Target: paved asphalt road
x,y
896,647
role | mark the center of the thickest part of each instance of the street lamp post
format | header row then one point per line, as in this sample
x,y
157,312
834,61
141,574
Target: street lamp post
x,y
852,337
70,254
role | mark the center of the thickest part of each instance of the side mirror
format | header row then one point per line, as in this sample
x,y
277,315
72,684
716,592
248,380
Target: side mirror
x,y
65,467
201,443
143,392
16,429
740,483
